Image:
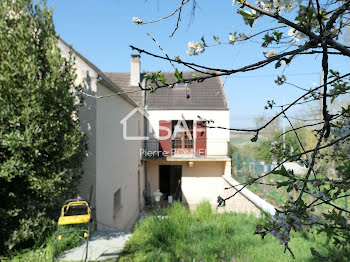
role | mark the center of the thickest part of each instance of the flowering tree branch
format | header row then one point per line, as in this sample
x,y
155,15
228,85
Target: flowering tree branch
x,y
317,25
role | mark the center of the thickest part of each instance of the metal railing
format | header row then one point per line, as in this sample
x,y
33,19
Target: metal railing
x,y
196,148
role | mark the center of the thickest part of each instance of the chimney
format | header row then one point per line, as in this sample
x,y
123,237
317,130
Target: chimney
x,y
135,70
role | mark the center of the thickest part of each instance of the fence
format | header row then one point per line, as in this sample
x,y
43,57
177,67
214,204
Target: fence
x,y
243,165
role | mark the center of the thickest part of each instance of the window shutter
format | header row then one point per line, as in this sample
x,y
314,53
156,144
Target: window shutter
x,y
201,139
165,144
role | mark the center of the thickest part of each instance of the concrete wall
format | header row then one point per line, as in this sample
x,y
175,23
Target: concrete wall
x,y
217,139
259,203
118,161
87,117
238,203
201,182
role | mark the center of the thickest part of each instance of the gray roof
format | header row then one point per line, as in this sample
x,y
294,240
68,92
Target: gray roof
x,y
208,94
123,81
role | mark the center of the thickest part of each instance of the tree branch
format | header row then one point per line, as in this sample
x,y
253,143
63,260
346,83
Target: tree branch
x,y
336,14
282,20
223,72
166,17
178,18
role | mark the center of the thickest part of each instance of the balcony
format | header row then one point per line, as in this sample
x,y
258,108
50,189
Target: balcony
x,y
198,148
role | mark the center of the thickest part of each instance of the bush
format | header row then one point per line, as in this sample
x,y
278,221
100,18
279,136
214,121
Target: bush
x,y
41,147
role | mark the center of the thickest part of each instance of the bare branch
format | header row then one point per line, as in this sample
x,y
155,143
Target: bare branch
x,y
170,15
284,110
178,19
223,72
168,58
315,151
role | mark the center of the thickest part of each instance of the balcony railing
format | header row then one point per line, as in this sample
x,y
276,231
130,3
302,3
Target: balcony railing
x,y
196,148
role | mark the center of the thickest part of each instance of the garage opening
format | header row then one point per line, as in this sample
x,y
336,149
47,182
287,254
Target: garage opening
x,y
170,181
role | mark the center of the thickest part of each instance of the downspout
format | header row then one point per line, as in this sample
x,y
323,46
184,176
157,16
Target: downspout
x,y
145,128
139,188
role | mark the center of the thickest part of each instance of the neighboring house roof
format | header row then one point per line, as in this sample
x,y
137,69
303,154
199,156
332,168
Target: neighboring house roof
x,y
208,94
104,79
123,81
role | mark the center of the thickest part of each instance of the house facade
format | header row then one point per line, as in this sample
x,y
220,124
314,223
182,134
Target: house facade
x,y
182,157
122,170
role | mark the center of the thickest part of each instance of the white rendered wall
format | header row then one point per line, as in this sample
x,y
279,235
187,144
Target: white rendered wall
x,y
217,139
87,117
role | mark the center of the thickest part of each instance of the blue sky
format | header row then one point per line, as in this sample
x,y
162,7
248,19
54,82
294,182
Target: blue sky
x,y
103,30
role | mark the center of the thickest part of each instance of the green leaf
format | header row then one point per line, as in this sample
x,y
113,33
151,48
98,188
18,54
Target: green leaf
x,y
282,172
178,76
203,41
282,184
216,39
246,14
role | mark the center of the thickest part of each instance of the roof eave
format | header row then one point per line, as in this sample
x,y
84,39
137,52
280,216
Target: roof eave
x,y
104,79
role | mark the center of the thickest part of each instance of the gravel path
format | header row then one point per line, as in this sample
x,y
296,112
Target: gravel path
x,y
102,245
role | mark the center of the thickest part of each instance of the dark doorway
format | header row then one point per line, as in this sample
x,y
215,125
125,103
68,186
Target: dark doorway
x,y
170,181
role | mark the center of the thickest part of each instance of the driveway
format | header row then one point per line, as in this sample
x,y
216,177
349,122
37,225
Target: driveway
x,y
102,245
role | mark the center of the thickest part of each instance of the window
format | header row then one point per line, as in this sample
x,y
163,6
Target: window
x,y
184,134
181,85
117,202
177,128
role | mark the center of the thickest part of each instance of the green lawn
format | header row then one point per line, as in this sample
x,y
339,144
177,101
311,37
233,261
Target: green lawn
x,y
181,235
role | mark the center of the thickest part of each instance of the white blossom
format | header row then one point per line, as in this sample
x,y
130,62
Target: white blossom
x,y
232,38
264,6
342,131
295,34
137,20
195,48
270,53
283,5
278,5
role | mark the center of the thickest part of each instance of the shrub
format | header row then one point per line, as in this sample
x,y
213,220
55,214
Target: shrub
x,y
41,147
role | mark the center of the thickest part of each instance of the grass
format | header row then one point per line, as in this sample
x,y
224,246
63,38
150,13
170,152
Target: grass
x,y
45,251
181,235
272,194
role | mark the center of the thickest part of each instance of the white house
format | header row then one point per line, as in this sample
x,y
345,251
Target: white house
x,y
188,166
122,169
